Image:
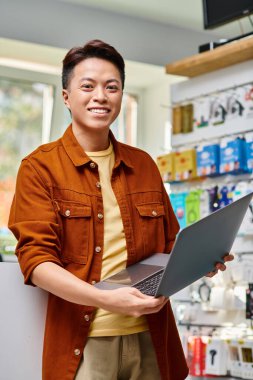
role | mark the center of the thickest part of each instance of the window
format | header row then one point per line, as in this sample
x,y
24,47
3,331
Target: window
x,y
25,120
125,126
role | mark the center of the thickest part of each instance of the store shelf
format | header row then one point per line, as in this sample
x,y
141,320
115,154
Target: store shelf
x,y
221,57
212,132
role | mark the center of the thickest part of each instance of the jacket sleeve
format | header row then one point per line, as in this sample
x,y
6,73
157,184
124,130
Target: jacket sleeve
x,y
171,224
33,221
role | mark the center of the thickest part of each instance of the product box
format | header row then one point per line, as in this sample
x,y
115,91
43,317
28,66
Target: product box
x,y
248,100
196,355
185,165
217,109
216,357
235,103
208,160
192,202
178,204
187,118
234,362
249,150
176,119
165,165
233,156
246,348
201,113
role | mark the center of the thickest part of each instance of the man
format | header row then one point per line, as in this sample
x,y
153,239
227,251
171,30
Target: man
x,y
85,207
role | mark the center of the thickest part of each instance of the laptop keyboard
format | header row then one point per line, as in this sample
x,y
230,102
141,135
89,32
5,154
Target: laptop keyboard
x,y
149,285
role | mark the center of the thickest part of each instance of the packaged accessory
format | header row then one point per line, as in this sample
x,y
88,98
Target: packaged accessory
x,y
218,110
249,150
208,160
192,201
201,113
179,207
233,156
165,165
185,165
216,357
176,120
187,118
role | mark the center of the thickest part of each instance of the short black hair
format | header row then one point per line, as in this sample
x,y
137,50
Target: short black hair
x,y
92,49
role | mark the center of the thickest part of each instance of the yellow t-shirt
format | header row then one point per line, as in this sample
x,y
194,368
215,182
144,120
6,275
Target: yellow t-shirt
x,y
115,253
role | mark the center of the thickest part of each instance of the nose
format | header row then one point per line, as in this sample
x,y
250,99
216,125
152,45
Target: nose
x,y
100,95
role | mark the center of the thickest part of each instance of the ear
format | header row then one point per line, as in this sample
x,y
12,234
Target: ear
x,y
65,96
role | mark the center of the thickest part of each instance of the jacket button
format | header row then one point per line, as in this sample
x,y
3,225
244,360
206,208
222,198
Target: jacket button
x,y
98,249
92,165
93,282
77,352
98,184
67,212
100,216
154,213
86,317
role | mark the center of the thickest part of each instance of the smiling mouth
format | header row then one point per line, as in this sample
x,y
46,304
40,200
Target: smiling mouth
x,y
100,111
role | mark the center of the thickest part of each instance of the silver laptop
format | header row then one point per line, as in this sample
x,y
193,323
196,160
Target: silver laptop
x,y
196,250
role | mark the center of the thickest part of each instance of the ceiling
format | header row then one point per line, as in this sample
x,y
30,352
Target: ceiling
x,y
183,13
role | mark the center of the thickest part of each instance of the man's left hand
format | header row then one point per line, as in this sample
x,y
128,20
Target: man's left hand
x,y
220,266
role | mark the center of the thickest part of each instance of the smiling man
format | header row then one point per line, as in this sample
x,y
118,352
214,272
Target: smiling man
x,y
77,217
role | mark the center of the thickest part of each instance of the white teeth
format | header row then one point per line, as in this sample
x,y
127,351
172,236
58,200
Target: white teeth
x,y
99,110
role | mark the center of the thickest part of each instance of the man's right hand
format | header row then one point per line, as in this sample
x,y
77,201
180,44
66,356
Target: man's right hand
x,y
130,301
125,300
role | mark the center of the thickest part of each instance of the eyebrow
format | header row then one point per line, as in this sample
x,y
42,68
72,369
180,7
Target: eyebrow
x,y
92,80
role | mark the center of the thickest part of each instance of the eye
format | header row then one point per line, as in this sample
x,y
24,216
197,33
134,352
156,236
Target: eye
x,y
86,87
112,87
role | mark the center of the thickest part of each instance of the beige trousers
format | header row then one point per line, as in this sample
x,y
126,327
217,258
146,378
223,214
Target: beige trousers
x,y
127,357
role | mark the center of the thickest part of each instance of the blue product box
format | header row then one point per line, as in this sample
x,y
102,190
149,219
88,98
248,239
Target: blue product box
x,y
233,156
249,150
179,206
208,160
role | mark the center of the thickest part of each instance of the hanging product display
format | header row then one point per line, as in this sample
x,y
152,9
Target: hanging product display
x,y
235,103
192,201
218,110
179,207
201,112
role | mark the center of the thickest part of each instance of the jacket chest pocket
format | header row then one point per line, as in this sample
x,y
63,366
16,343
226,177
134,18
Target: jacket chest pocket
x,y
75,219
152,226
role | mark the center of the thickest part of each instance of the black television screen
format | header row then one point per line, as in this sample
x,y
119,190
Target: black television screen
x,y
219,12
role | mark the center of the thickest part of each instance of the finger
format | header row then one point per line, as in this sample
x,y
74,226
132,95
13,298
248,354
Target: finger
x,y
139,294
220,266
156,309
213,273
228,257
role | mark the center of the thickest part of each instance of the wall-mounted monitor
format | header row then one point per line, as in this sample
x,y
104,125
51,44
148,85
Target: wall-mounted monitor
x,y
220,12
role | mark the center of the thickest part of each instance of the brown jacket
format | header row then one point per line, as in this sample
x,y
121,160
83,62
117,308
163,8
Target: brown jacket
x,y
54,216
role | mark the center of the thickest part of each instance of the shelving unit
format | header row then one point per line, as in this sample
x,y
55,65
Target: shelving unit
x,y
221,57
223,69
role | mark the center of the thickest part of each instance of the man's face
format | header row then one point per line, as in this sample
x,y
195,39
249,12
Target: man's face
x,y
94,94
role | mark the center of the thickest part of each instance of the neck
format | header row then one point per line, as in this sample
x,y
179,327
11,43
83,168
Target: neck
x,y
92,141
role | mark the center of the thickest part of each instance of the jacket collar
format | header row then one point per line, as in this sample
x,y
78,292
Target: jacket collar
x,y
79,157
